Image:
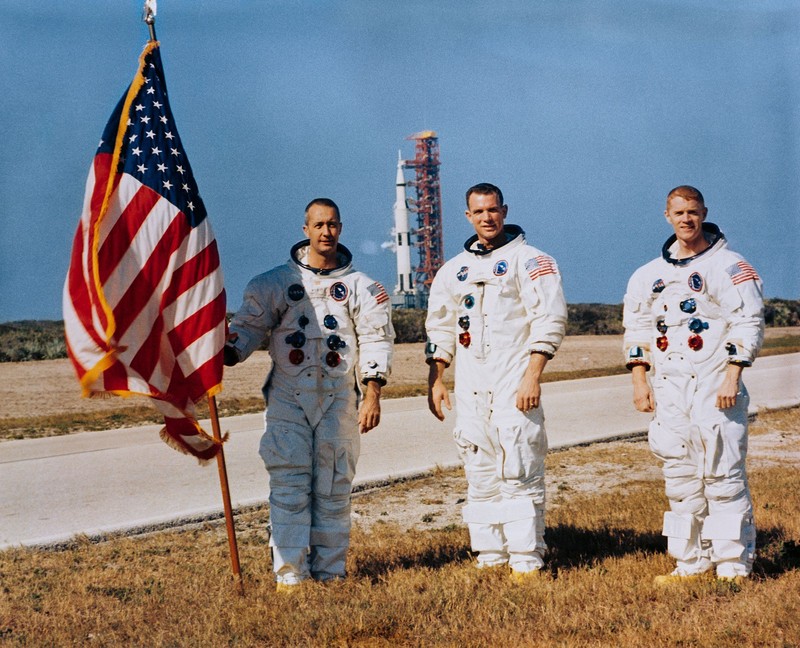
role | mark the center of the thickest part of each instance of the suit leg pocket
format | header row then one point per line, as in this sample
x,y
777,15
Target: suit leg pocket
x,y
466,448
665,443
335,468
524,447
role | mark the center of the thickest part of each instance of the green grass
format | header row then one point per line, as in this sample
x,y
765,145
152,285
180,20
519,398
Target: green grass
x,y
781,345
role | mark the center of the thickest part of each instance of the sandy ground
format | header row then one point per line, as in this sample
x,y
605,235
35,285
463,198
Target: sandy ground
x,y
50,387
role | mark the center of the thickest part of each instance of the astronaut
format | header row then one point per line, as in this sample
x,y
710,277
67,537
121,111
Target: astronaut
x,y
330,340
499,309
696,315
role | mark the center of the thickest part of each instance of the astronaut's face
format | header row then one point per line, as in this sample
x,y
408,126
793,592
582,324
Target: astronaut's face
x,y
686,217
487,216
322,229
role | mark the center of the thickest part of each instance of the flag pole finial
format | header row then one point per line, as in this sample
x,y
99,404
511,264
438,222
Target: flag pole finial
x,y
149,17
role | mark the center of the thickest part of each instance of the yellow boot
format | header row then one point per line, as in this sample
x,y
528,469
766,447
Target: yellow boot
x,y
677,577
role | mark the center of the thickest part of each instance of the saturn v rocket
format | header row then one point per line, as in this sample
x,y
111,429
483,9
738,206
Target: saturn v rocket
x,y
414,284
404,289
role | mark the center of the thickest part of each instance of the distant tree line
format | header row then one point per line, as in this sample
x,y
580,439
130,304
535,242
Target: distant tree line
x,y
44,339
32,340
782,312
591,319
584,319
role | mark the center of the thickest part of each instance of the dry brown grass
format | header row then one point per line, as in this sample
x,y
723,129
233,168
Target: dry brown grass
x,y
413,584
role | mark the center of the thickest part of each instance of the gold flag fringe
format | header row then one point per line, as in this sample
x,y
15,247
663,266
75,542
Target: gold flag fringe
x,y
172,443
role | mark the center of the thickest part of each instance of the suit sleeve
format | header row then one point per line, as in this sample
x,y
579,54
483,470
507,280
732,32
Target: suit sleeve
x,y
637,318
373,325
440,323
543,297
742,301
260,312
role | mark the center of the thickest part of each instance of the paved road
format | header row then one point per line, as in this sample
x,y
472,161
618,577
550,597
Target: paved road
x,y
99,482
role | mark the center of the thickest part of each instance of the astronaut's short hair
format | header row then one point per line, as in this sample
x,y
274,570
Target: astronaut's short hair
x,y
485,189
687,192
324,202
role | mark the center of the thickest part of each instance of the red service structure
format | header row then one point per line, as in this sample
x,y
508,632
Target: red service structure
x,y
428,207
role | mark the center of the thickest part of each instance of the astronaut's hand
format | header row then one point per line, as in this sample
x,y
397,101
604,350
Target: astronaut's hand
x,y
230,357
437,392
370,413
437,395
529,393
643,399
729,390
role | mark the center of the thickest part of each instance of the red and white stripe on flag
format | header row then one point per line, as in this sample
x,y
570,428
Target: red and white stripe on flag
x,y
539,266
742,271
144,302
378,292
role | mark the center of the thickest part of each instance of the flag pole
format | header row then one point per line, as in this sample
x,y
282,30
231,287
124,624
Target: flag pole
x,y
149,17
226,496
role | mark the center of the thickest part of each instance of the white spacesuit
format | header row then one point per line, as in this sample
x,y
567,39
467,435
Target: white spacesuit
x,y
690,318
491,310
324,327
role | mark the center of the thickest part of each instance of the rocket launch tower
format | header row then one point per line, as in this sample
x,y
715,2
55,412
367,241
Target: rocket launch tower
x,y
428,207
412,290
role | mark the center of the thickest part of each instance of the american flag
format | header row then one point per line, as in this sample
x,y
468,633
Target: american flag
x,y
741,272
540,265
144,303
378,292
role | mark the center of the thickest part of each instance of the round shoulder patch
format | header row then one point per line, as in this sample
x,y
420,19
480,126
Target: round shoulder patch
x,y
339,291
296,292
463,273
500,268
696,281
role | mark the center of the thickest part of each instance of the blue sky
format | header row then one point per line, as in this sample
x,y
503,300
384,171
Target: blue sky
x,y
584,112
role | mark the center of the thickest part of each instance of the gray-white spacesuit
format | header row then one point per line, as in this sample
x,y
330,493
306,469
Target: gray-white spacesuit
x,y
690,318
325,328
490,309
